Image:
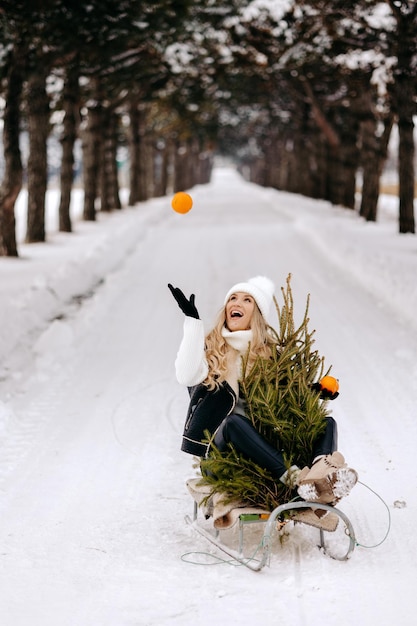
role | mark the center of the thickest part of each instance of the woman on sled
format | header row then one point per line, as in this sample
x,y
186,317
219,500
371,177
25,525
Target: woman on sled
x,y
211,368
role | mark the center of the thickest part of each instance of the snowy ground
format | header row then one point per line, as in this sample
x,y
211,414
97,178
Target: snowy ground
x,y
92,479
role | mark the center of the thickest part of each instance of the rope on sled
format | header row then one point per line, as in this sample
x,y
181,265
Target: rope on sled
x,y
389,519
218,560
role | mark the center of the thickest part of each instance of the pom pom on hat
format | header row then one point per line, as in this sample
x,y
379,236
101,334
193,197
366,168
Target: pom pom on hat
x,y
260,288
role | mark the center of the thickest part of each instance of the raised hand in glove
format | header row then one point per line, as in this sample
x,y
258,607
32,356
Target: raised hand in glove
x,y
187,306
328,388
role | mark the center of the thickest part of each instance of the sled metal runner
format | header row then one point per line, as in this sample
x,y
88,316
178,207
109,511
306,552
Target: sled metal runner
x,y
262,556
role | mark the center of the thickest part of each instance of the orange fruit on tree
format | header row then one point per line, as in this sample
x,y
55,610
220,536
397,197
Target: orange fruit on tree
x,y
330,383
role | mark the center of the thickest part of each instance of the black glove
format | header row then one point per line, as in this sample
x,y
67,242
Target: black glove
x,y
187,306
325,394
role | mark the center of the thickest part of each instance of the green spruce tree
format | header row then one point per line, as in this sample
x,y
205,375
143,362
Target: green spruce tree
x,y
282,406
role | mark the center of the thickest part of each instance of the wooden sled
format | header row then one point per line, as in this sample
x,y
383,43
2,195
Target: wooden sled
x,y
324,517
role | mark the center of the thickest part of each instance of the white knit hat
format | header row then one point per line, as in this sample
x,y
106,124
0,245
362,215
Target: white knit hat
x,y
260,288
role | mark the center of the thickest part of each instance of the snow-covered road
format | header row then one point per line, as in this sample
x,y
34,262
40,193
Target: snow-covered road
x,y
92,480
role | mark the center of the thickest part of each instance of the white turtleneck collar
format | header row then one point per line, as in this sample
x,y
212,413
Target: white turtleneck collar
x,y
238,339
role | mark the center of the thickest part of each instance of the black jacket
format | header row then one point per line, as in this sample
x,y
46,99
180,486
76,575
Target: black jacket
x,y
206,412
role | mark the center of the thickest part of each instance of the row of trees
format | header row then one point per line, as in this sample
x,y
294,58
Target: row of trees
x,y
95,73
337,77
302,94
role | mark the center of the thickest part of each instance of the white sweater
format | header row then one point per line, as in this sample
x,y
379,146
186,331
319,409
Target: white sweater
x,y
191,366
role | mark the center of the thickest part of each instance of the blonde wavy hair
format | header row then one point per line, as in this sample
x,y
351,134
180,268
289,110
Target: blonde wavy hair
x,y
263,342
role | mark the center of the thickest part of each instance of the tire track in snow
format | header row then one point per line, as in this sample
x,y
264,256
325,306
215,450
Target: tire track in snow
x,y
26,426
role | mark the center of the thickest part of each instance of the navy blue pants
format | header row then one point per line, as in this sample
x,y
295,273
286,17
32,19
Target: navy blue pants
x,y
238,431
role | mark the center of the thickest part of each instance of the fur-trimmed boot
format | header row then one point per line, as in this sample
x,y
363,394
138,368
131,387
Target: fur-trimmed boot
x,y
328,481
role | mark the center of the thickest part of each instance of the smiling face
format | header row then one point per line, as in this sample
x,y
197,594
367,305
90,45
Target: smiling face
x,y
239,311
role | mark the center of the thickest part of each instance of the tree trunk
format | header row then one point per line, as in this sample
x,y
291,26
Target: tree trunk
x,y
301,179
105,202
180,167
12,182
69,135
283,174
405,94
206,164
193,162
406,172
134,153
165,183
138,187
113,164
343,158
91,153
109,186
276,162
350,166
371,172
38,127
374,154
165,169
148,165
159,174
318,159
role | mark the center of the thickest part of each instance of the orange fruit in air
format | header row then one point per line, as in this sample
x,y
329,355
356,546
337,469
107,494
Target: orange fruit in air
x,y
182,202
330,384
